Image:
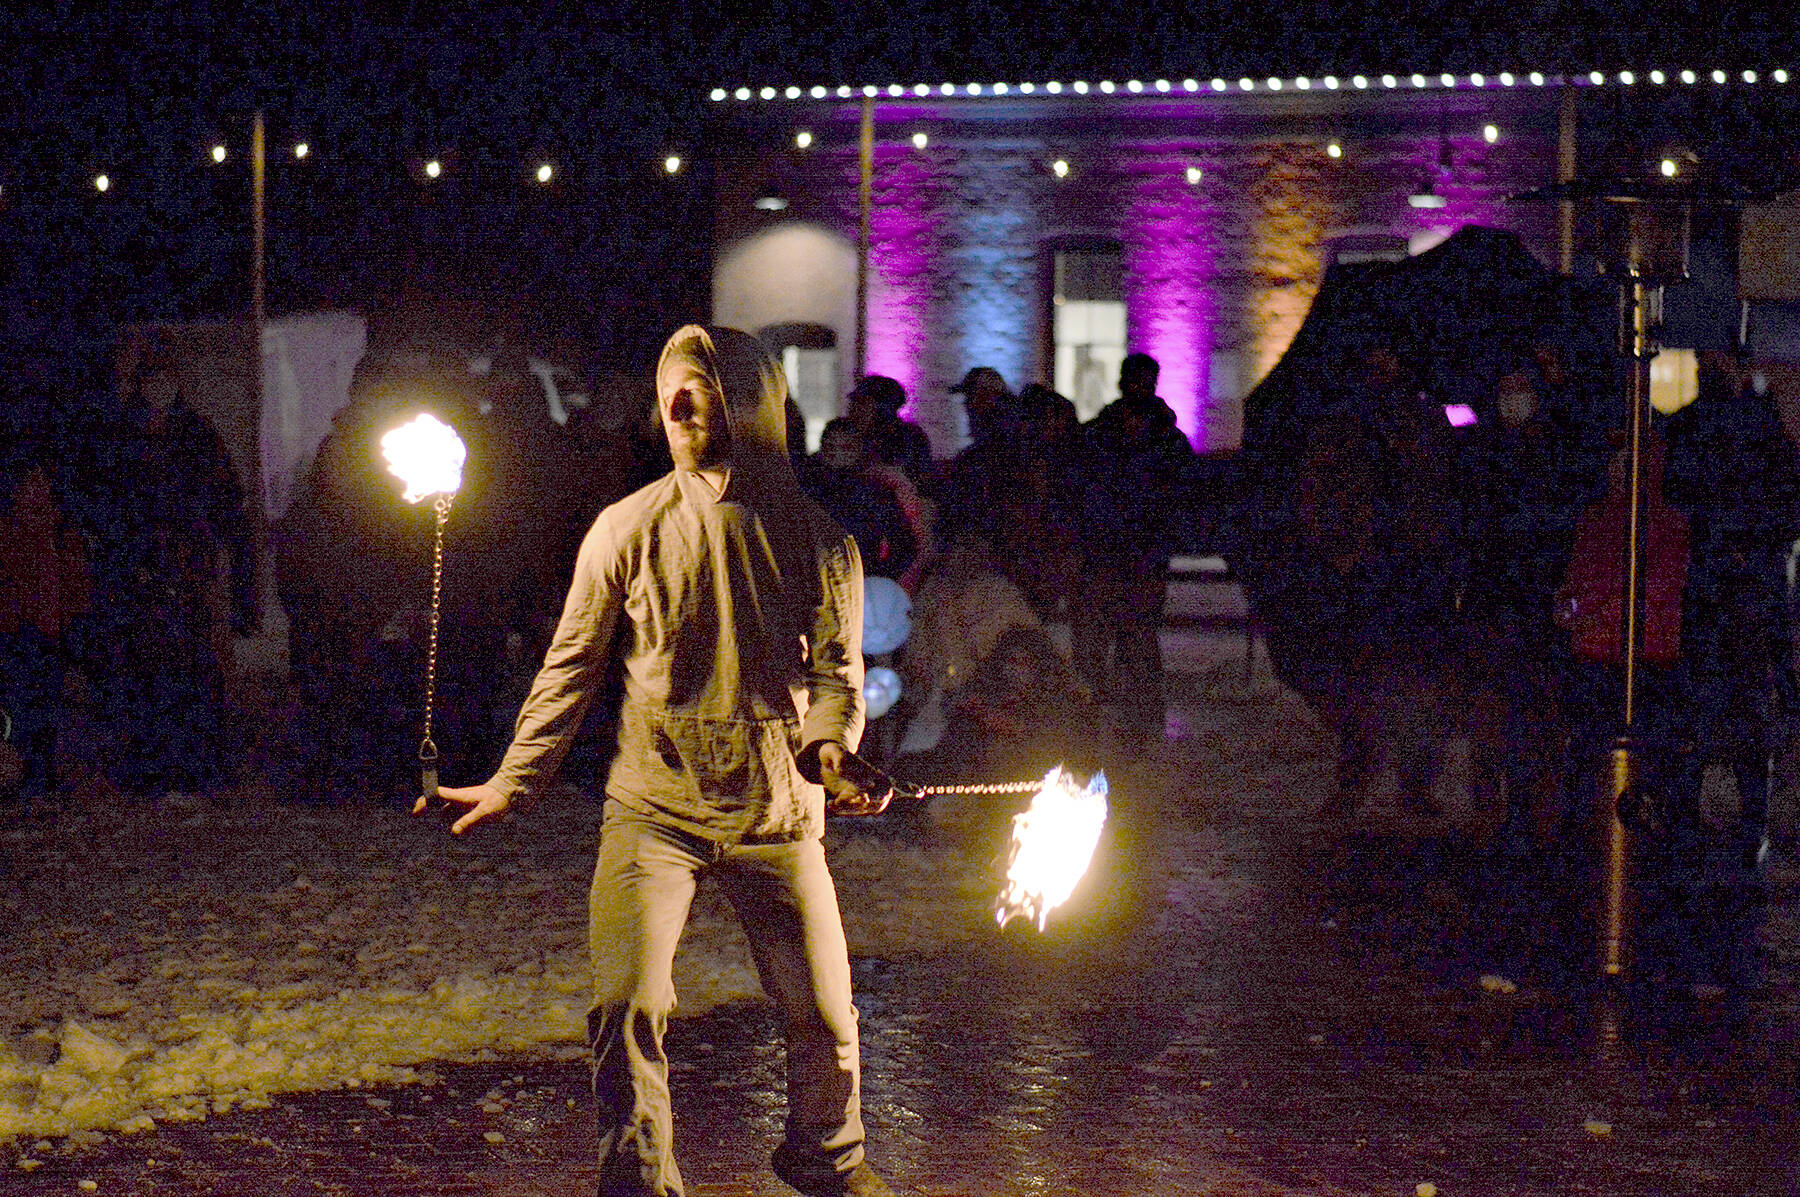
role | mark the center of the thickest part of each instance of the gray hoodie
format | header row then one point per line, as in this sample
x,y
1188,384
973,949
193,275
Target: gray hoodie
x,y
738,617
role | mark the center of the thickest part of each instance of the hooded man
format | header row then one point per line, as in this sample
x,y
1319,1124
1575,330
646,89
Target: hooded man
x,y
734,605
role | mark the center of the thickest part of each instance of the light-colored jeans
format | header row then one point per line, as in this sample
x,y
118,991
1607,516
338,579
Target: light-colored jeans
x,y
643,887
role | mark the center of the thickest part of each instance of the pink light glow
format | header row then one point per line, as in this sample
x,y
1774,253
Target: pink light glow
x,y
1168,287
903,250
1460,415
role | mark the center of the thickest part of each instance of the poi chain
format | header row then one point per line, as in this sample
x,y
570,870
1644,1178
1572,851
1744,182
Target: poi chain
x,y
428,753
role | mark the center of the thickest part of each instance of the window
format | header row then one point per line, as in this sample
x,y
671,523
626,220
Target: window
x,y
809,357
1089,325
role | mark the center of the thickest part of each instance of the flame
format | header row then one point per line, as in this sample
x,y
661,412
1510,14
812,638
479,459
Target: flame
x,y
426,455
1053,841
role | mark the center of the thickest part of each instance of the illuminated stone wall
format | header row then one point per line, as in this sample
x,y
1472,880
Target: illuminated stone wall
x,y
1219,272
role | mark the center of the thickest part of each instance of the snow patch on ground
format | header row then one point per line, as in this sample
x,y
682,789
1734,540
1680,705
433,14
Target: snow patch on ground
x,y
181,959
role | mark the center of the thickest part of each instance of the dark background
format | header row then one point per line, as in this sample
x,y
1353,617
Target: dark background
x,y
614,249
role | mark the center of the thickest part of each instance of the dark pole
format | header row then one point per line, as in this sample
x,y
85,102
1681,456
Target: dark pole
x,y
1635,327
865,198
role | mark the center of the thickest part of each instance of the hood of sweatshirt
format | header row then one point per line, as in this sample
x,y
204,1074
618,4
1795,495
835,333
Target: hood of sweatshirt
x,y
755,394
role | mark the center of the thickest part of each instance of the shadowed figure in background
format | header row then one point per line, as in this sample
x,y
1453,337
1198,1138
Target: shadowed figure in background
x,y
188,571
872,501
724,593
874,407
1132,519
1732,469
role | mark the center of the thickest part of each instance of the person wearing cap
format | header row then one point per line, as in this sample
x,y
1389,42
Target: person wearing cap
x,y
874,407
722,590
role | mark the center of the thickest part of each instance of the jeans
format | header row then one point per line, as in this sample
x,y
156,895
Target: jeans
x,y
644,884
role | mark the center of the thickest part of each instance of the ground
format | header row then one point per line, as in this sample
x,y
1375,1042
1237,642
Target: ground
x,y
240,994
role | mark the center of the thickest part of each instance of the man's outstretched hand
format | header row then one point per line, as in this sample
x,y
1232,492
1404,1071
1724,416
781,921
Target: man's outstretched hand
x,y
483,802
851,786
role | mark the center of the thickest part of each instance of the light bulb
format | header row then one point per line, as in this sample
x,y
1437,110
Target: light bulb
x,y
1193,174
1669,169
545,173
1061,168
802,139
920,141
301,150
672,164
1490,133
218,153
101,182
1334,150
433,169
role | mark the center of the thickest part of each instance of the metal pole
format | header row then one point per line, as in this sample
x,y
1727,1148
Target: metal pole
x,y
865,198
257,151
1635,325
1565,173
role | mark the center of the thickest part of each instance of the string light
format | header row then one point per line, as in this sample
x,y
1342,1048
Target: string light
x,y
301,150
1246,85
1134,86
1490,133
1303,83
767,93
1190,85
1360,82
1389,81
1081,87
1627,78
1028,88
1718,76
743,93
1656,77
921,89
1418,81
1478,80
1053,87
1274,85
718,93
803,139
1060,168
792,93
672,164
1506,78
1447,80
1194,175
1749,76
1106,85
1669,169
1596,78
1334,150
1331,83
1688,76
1162,85
818,92
102,183
545,172
218,153
920,141
1218,85
433,169
1537,79
1780,76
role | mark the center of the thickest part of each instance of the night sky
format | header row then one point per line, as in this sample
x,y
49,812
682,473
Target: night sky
x,y
602,92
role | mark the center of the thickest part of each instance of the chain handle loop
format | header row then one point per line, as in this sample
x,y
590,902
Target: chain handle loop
x,y
428,753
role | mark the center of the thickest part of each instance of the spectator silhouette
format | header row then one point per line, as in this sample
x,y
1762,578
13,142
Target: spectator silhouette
x,y
1732,469
1132,522
870,500
44,588
874,407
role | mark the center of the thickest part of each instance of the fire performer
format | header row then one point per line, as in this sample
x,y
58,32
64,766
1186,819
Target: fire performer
x,y
736,607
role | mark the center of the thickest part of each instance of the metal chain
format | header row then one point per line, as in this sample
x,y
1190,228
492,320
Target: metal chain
x,y
992,787
427,749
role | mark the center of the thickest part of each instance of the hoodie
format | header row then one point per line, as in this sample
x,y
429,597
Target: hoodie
x,y
737,616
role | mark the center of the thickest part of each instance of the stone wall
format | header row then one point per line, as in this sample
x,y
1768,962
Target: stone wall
x,y
1219,272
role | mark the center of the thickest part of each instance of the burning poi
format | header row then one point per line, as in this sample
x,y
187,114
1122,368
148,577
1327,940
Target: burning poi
x,y
427,456
1053,839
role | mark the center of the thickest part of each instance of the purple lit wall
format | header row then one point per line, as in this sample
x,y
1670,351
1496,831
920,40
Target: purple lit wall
x,y
904,246
1169,300
1218,275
